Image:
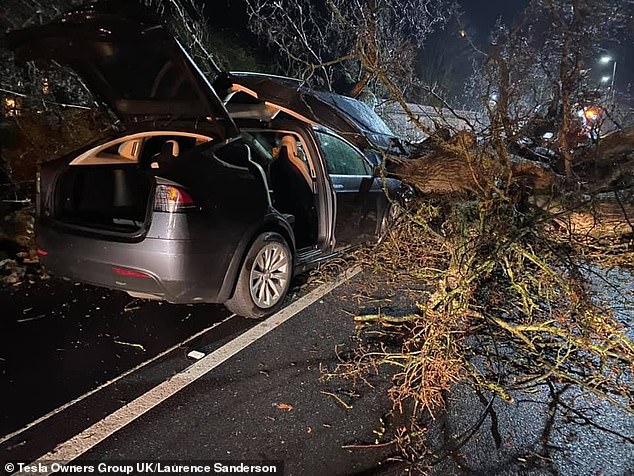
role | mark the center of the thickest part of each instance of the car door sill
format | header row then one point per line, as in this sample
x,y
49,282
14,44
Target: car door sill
x,y
307,258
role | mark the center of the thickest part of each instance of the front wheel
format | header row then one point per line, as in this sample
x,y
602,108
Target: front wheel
x,y
264,278
390,217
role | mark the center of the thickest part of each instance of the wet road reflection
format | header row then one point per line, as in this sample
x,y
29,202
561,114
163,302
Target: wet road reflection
x,y
59,340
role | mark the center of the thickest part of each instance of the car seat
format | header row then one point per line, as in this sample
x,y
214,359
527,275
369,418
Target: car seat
x,y
292,190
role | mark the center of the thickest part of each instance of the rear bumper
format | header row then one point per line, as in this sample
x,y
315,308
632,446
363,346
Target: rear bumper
x,y
178,271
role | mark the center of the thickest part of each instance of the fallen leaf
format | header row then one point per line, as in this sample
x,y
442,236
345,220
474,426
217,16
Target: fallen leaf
x,y
284,406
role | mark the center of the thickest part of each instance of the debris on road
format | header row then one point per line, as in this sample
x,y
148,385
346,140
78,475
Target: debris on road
x,y
132,306
129,344
19,261
338,399
34,318
196,355
283,406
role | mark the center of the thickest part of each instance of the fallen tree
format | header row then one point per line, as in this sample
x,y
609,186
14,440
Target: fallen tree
x,y
598,202
499,249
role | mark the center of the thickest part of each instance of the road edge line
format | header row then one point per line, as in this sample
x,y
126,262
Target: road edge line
x,y
106,384
79,444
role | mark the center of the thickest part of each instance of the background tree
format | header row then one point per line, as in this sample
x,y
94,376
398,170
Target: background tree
x,y
541,67
53,98
334,43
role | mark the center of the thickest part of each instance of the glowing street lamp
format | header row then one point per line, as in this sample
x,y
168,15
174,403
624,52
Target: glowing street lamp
x,y
606,59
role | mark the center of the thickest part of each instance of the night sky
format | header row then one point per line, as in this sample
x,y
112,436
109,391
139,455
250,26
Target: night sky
x,y
480,16
483,14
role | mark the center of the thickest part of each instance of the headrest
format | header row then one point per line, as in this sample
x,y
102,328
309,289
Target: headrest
x,y
290,144
171,147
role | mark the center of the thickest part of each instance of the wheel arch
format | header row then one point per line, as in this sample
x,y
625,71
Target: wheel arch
x,y
273,223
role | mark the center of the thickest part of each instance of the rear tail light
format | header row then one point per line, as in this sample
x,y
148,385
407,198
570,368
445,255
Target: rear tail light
x,y
172,199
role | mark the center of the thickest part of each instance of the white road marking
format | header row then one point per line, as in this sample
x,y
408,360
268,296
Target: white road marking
x,y
110,382
79,444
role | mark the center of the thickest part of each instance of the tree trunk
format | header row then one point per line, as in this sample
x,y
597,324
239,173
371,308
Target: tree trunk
x,y
608,166
360,85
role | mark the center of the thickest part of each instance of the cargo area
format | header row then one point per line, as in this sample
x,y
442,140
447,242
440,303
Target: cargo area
x,y
111,187
105,197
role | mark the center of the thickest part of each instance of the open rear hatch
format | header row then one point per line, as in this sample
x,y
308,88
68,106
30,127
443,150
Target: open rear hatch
x,y
142,73
112,190
130,61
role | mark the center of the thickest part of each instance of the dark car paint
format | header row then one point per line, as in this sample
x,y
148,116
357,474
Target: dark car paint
x,y
233,211
325,192
199,265
200,261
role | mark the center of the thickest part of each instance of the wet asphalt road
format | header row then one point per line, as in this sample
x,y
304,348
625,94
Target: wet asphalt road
x,y
268,402
60,339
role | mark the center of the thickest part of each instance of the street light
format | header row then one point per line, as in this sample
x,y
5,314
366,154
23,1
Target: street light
x,y
606,59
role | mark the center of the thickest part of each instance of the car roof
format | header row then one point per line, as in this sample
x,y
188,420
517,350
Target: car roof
x,y
348,116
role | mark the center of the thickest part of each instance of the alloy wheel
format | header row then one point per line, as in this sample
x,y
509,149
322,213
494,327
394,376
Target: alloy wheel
x,y
270,274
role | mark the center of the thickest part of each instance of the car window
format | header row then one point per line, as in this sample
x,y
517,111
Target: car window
x,y
341,158
262,144
154,146
265,144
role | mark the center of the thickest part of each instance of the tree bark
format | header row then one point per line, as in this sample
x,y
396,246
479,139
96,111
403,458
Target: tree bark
x,y
605,167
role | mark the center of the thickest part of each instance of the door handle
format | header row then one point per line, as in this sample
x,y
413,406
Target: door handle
x,y
338,186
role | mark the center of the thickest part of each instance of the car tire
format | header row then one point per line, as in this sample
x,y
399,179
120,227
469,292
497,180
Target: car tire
x,y
264,278
390,217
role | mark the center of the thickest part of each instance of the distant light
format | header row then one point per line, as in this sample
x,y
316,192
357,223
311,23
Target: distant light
x,y
592,114
605,59
605,79
462,33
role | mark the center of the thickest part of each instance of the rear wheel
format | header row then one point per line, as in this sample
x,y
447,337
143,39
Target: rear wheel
x,y
264,278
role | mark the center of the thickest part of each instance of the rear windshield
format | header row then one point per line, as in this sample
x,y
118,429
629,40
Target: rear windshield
x,y
358,111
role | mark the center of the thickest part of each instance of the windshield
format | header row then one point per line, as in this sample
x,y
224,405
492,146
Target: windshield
x,y
358,111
